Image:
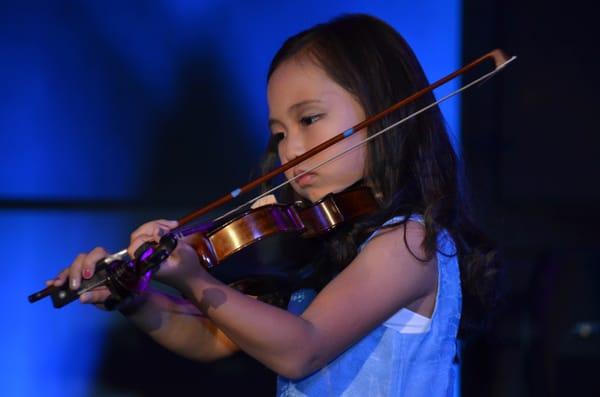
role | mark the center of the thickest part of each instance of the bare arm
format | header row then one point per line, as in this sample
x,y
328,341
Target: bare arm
x,y
179,326
383,278
173,322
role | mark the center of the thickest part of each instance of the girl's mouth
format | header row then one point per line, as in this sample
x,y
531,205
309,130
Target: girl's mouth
x,y
305,179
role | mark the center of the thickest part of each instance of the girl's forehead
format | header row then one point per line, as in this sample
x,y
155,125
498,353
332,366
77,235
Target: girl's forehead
x,y
297,70
299,79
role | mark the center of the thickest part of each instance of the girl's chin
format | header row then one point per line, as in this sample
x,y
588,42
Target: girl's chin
x,y
310,193
315,195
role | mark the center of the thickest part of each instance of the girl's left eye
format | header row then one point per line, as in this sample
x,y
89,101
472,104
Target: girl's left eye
x,y
308,120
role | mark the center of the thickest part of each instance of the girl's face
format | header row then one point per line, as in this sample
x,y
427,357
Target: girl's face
x,y
306,108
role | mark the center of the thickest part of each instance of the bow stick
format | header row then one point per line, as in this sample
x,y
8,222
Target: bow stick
x,y
497,56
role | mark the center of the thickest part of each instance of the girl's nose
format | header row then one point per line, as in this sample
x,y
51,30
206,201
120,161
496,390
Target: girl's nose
x,y
294,146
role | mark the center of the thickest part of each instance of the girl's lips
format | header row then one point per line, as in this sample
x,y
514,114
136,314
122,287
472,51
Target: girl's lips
x,y
305,179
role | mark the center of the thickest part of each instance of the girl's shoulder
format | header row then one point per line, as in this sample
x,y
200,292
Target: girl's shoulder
x,y
410,229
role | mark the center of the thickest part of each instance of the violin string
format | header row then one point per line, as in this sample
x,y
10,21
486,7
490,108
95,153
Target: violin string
x,y
481,80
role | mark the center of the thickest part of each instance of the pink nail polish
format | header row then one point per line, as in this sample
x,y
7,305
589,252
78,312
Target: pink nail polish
x,y
87,273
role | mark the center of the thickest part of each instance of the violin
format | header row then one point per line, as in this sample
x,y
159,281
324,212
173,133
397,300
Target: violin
x,y
222,240
271,231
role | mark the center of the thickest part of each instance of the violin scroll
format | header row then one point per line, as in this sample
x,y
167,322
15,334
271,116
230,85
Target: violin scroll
x,y
121,275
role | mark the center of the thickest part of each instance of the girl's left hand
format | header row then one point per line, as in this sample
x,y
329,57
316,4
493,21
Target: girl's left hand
x,y
182,267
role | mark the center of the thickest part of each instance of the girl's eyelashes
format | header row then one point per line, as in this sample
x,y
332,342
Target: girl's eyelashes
x,y
304,121
313,118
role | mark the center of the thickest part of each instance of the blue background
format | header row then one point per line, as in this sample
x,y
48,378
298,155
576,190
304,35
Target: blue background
x,y
114,113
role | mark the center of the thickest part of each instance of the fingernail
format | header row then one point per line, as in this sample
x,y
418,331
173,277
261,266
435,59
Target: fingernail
x,y
84,298
74,284
87,273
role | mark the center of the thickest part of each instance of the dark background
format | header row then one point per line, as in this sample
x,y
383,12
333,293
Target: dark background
x,y
531,147
117,98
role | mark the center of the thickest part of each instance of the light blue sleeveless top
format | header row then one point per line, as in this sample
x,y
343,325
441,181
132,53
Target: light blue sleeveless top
x,y
388,362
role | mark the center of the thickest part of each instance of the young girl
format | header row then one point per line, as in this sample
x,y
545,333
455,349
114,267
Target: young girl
x,y
386,319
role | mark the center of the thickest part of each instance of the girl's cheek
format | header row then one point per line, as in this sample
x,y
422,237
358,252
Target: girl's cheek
x,y
288,175
280,154
326,130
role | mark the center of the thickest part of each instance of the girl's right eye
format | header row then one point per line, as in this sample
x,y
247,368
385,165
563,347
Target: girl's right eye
x,y
278,136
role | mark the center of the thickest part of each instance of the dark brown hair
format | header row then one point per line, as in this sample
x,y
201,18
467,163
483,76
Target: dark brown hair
x,y
414,170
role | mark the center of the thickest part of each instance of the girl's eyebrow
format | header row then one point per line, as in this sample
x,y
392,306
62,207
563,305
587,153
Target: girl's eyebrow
x,y
294,107
303,103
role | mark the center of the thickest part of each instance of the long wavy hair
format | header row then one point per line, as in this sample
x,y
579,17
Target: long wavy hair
x,y
412,170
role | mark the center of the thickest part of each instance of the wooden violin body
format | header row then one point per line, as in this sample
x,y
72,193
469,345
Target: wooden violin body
x,y
252,226
273,244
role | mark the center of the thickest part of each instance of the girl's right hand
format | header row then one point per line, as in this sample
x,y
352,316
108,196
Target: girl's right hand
x,y
83,267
